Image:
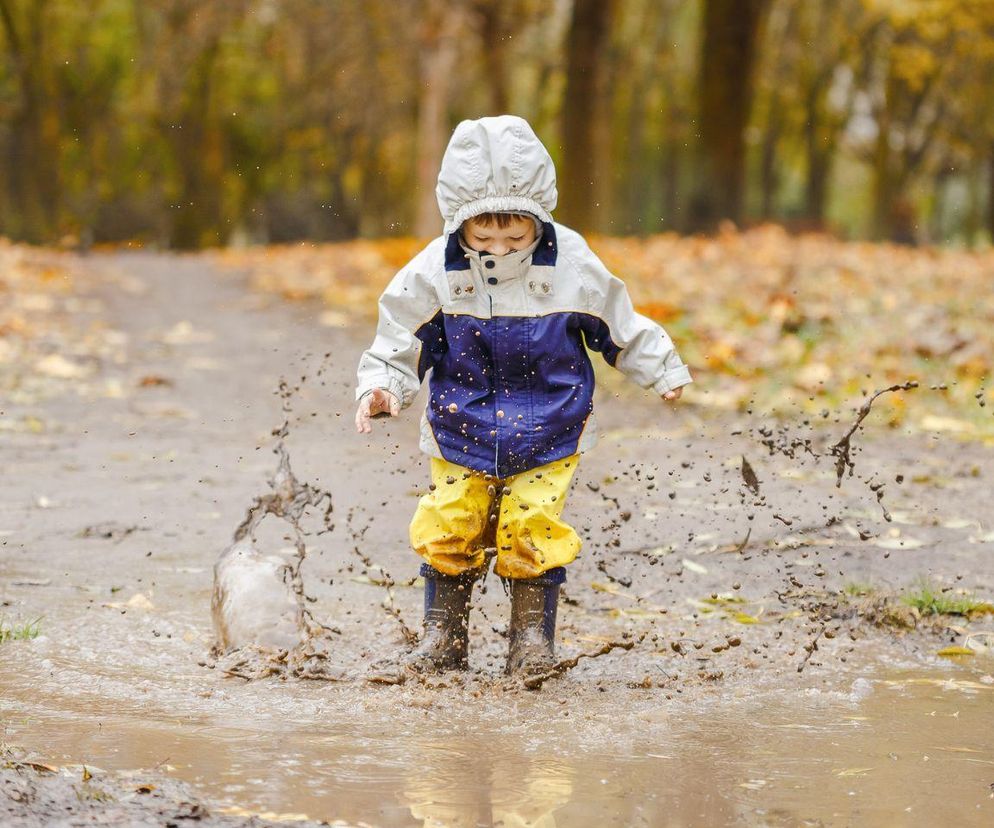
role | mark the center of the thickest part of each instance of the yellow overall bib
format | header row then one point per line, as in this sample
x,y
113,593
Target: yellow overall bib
x,y
449,525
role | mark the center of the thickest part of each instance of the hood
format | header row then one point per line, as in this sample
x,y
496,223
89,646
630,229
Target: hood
x,y
495,165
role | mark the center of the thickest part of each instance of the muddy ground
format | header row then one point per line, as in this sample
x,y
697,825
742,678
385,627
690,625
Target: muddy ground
x,y
756,692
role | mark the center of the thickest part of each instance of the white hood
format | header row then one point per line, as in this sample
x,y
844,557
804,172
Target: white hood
x,y
495,165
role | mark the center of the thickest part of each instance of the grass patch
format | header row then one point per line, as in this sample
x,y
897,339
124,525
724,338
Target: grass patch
x,y
19,632
929,599
858,589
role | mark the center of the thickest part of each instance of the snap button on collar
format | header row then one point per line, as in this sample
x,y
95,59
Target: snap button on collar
x,y
489,263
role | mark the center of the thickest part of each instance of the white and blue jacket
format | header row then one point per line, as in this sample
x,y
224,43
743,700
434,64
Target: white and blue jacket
x,y
505,338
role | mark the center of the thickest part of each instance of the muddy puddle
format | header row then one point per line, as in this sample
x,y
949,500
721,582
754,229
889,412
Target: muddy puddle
x,y
894,745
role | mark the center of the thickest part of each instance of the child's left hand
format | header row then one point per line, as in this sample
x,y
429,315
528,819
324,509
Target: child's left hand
x,y
674,394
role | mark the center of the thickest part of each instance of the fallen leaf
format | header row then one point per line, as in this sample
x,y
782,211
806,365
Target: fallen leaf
x,y
932,422
183,333
955,651
749,476
898,543
56,365
612,590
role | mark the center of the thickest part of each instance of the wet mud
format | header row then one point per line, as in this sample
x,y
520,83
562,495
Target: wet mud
x,y
736,623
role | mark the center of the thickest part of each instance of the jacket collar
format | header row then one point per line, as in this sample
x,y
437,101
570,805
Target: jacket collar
x,y
500,268
543,252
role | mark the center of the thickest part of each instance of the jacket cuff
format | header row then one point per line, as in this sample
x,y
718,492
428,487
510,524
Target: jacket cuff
x,y
673,379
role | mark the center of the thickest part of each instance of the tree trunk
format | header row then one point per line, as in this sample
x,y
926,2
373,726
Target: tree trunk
x,y
670,209
494,35
769,171
990,193
196,146
584,113
442,26
32,173
819,152
731,30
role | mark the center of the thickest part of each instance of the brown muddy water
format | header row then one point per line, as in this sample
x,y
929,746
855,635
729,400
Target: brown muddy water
x,y
900,747
117,508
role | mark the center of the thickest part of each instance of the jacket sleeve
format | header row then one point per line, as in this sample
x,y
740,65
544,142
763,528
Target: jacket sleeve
x,y
409,334
629,341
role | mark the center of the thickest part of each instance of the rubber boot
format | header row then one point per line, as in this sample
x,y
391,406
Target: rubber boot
x,y
532,632
444,643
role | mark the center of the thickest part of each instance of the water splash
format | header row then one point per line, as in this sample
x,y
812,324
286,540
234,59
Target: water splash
x,y
261,622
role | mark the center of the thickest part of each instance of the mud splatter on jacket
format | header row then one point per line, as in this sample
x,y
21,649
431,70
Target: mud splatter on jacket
x,y
506,337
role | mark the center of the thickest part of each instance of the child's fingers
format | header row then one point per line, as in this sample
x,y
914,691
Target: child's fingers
x,y
362,417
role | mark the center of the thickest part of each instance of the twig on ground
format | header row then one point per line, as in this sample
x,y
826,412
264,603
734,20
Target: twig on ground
x,y
535,682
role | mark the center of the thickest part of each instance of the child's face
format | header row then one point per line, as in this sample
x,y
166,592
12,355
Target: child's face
x,y
499,241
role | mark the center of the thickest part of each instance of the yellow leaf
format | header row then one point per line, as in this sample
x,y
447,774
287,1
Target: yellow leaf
x,y
956,651
611,590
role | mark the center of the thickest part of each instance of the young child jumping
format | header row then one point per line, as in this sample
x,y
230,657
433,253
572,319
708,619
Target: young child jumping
x,y
501,308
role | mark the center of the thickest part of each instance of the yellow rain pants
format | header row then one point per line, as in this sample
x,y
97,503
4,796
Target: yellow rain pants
x,y
449,527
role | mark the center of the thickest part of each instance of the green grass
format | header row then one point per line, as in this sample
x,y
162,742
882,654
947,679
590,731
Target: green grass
x,y
929,599
858,589
19,632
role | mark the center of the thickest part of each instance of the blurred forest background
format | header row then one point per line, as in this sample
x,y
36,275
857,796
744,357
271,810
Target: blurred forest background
x,y
193,123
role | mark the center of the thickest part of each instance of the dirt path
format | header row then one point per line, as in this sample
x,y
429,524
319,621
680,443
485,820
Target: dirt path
x,y
111,515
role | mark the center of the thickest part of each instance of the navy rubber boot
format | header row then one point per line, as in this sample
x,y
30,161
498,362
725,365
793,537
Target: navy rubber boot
x,y
444,643
532,632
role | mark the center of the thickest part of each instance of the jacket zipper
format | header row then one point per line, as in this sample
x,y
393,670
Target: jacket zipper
x,y
493,353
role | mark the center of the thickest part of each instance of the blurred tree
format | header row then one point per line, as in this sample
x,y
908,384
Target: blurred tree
x,y
729,45
199,122
32,171
825,49
929,53
584,113
441,25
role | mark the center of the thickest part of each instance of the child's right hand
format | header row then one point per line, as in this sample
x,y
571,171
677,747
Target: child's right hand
x,y
378,401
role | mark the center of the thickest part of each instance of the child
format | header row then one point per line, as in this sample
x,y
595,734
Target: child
x,y
502,308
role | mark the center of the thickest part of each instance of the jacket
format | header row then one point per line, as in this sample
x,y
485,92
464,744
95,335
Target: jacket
x,y
506,338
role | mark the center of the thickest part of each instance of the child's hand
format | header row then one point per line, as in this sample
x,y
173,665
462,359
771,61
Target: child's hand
x,y
674,394
378,401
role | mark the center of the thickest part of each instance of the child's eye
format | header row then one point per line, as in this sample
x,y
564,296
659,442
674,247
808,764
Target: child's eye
x,y
517,238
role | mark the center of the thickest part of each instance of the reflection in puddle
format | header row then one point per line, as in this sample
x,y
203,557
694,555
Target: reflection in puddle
x,y
480,786
886,751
